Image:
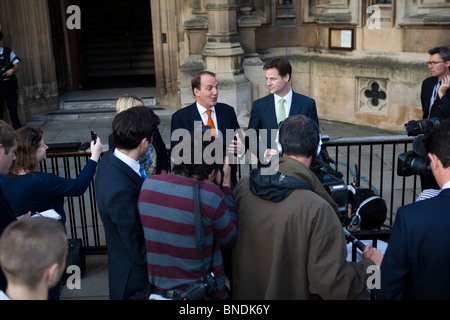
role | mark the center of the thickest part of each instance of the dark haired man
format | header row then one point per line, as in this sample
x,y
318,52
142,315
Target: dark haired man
x,y
367,211
435,96
8,147
290,240
208,111
166,207
118,182
8,84
415,266
282,102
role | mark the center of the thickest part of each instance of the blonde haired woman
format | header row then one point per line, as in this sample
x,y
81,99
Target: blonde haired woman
x,y
156,160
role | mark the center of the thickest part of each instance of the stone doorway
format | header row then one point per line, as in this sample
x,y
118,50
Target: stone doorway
x,y
118,44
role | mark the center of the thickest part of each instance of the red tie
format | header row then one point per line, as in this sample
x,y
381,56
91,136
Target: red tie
x,y
211,122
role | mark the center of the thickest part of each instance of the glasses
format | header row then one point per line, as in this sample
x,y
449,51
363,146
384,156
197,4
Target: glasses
x,y
433,63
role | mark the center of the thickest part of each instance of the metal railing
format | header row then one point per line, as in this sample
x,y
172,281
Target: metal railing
x,y
376,160
375,157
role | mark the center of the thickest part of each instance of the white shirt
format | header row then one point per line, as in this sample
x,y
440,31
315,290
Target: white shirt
x,y
202,110
430,193
3,296
287,103
133,164
11,56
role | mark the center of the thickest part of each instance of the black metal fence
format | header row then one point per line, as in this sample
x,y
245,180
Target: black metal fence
x,y
375,158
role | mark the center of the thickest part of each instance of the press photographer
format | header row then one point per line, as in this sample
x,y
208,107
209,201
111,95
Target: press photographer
x,y
415,161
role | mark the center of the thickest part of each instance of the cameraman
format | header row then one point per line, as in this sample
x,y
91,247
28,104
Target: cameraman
x,y
8,84
290,242
417,258
435,96
166,207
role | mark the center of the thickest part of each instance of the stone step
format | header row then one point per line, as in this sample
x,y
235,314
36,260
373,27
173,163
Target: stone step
x,y
98,104
91,114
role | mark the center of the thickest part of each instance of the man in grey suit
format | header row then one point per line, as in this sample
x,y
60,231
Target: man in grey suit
x,y
272,109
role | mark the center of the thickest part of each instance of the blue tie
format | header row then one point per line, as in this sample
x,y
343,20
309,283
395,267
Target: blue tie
x,y
142,172
434,96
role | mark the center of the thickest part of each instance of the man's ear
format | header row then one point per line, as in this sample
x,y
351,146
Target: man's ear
x,y
53,274
434,161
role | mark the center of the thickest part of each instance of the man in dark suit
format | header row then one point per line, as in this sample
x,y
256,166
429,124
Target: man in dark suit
x,y
118,183
435,96
206,111
416,262
269,111
8,146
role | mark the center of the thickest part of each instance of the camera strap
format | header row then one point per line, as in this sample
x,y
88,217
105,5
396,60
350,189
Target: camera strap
x,y
199,232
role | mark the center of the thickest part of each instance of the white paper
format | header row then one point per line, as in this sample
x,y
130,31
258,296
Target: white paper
x,y
346,38
48,214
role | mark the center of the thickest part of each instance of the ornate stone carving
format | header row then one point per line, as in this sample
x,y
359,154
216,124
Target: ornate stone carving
x,y
372,95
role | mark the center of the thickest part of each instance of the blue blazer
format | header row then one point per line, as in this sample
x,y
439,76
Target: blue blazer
x,y
6,217
263,115
416,262
117,189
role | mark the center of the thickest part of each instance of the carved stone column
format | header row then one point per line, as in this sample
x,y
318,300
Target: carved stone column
x,y
223,55
248,21
25,24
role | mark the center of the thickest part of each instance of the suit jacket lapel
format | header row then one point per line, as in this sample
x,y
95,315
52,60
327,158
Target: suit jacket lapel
x,y
222,118
271,114
296,105
195,115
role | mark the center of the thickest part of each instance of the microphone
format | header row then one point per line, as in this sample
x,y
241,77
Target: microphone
x,y
351,238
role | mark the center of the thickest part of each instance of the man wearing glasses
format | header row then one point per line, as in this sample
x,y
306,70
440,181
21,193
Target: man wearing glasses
x,y
435,95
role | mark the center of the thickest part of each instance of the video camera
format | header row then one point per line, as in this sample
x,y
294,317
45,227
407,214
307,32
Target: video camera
x,y
331,179
416,162
340,192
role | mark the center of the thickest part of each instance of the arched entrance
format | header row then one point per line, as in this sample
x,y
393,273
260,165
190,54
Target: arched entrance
x,y
117,43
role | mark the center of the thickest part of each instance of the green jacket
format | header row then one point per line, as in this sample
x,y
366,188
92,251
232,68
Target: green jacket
x,y
293,248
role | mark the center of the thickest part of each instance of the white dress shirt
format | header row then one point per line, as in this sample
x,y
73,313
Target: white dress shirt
x,y
133,164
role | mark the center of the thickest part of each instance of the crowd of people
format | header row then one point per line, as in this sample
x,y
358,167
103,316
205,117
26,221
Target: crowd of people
x,y
194,231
